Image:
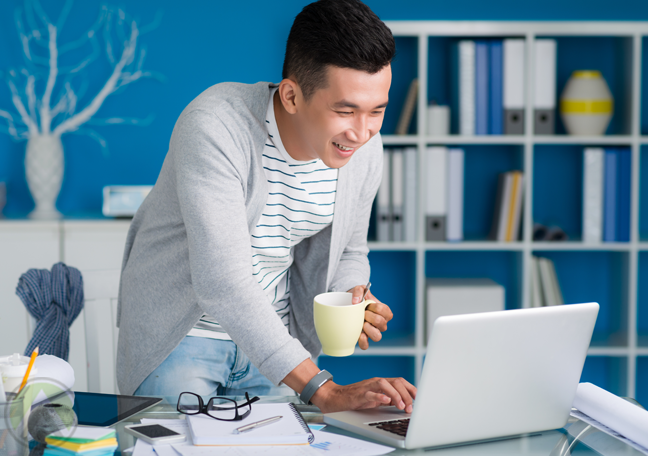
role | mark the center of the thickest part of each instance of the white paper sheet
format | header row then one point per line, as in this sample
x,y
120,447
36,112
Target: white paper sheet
x,y
625,418
589,420
325,443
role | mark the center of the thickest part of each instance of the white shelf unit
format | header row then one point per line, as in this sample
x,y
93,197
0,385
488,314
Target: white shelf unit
x,y
632,34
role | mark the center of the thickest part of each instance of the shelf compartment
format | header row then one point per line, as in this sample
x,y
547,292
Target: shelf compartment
x,y
393,282
643,107
503,267
642,300
354,368
404,70
558,188
643,193
612,56
595,276
607,372
482,167
642,381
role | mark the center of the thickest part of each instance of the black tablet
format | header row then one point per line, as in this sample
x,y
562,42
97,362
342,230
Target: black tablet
x,y
96,409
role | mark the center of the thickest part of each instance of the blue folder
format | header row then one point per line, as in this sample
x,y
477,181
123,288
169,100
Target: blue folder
x,y
481,87
610,196
496,121
624,177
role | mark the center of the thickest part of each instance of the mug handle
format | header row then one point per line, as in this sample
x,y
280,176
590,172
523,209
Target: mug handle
x,y
366,303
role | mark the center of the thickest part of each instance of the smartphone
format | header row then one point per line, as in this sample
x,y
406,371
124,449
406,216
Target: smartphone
x,y
154,434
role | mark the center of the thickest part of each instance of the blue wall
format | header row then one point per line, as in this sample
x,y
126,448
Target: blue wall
x,y
198,44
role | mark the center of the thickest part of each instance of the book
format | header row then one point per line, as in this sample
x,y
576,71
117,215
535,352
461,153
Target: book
x,y
409,194
551,294
408,108
435,191
544,94
462,296
384,201
466,84
515,206
455,191
481,87
513,83
623,194
290,430
496,107
610,196
397,194
593,194
502,198
535,286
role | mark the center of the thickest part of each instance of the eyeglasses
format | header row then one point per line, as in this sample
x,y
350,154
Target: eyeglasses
x,y
219,408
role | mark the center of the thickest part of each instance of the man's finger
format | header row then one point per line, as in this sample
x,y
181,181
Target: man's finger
x,y
376,320
385,387
363,341
399,385
372,332
357,293
382,310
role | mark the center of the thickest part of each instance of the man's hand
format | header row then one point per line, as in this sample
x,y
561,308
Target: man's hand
x,y
376,317
331,397
365,394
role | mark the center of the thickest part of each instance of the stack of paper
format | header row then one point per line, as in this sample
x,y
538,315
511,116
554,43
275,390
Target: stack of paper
x,y
83,441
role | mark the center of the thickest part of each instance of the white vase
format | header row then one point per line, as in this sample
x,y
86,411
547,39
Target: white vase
x,y
44,170
586,104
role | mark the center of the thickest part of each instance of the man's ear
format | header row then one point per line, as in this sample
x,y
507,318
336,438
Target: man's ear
x,y
290,95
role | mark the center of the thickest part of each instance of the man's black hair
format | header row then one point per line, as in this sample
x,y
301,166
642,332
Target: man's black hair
x,y
340,33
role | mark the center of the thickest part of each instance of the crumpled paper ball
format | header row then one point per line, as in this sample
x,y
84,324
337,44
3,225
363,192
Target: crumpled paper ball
x,y
49,418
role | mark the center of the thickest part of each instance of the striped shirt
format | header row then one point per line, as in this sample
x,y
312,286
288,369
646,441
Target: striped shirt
x,y
301,202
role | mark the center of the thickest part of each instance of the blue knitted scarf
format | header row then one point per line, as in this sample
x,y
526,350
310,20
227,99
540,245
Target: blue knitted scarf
x,y
54,299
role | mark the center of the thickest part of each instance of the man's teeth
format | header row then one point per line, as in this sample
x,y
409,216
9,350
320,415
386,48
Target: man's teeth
x,y
341,147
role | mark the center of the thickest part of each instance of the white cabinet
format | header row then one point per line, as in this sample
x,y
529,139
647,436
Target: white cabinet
x,y
23,245
95,247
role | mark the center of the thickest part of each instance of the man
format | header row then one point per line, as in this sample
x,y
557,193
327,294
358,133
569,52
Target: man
x,y
263,202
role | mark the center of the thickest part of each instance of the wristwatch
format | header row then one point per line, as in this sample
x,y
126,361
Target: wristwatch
x,y
315,383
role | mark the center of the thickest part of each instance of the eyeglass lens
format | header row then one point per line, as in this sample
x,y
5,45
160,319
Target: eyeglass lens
x,y
189,403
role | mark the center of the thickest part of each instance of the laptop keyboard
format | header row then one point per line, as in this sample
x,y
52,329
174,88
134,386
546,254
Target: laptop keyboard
x,y
398,427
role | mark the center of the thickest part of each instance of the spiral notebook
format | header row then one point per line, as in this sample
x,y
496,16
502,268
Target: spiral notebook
x,y
291,429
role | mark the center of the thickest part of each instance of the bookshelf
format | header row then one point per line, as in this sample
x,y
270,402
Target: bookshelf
x,y
613,274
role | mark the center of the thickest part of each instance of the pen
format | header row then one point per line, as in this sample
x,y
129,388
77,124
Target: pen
x,y
29,368
249,427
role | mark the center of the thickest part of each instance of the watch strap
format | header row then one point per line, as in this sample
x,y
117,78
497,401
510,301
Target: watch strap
x,y
313,385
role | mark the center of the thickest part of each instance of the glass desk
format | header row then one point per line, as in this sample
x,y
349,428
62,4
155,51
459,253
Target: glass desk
x,y
549,443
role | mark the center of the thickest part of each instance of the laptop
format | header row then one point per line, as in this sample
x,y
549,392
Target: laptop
x,y
488,376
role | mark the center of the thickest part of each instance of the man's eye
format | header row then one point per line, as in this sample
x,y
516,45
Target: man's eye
x,y
344,112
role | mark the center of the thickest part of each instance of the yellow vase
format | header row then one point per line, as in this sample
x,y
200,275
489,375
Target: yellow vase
x,y
586,104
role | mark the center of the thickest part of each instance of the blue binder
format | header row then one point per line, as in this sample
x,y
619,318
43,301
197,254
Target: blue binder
x,y
624,157
481,87
610,196
496,121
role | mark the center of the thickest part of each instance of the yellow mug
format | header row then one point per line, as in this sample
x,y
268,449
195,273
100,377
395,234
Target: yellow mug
x,y
338,322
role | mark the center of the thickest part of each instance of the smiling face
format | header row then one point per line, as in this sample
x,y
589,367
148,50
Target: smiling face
x,y
338,118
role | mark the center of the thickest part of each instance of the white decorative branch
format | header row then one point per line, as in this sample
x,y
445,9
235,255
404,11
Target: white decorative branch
x,y
20,107
54,112
110,86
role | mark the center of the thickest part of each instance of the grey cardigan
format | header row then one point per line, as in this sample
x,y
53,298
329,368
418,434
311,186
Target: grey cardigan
x,y
188,248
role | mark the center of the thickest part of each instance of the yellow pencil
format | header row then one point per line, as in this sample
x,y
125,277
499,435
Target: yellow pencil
x,y
29,368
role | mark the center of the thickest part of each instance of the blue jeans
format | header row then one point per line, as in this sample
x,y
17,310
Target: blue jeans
x,y
208,367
